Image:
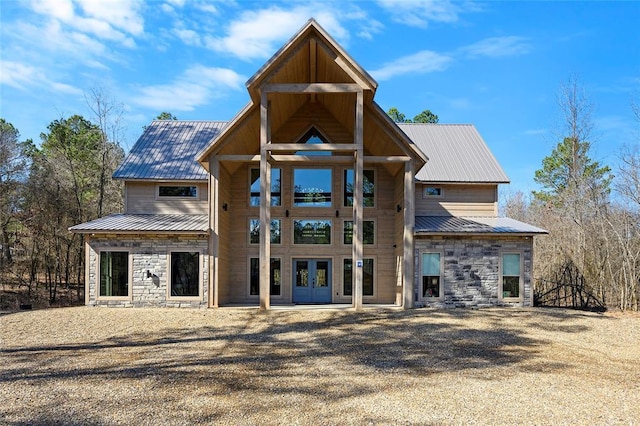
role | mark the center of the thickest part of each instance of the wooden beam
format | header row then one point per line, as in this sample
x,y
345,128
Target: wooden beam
x,y
239,158
214,232
335,147
386,159
312,88
358,202
318,159
408,273
265,205
345,66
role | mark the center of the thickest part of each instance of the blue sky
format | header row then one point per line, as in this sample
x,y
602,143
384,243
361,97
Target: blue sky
x,y
497,65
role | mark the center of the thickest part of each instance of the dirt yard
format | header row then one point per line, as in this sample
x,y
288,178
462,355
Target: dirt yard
x,y
103,366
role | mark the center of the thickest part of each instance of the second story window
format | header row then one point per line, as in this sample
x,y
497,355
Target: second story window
x,y
276,198
368,188
177,191
432,192
312,187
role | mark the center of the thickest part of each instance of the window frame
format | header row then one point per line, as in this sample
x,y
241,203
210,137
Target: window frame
x,y
278,194
501,276
293,188
257,296
374,276
441,277
343,233
129,295
425,189
177,197
321,219
200,274
364,195
251,219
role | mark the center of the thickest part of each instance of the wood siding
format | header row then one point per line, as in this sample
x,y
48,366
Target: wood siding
x,y
141,197
458,200
234,288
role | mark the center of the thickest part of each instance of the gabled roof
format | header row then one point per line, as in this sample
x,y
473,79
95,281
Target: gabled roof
x,y
145,223
457,154
442,225
167,151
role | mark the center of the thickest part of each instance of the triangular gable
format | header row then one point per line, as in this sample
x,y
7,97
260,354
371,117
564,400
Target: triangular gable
x,y
338,67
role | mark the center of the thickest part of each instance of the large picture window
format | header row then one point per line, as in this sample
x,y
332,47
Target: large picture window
x,y
114,274
367,277
254,231
276,195
275,275
368,188
312,187
312,232
368,232
431,275
511,275
185,274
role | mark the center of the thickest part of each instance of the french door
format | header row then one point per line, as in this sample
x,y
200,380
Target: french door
x,y
311,281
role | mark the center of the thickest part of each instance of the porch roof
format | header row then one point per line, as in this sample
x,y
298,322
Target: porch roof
x,y
145,223
443,225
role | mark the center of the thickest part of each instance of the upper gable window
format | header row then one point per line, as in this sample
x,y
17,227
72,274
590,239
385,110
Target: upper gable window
x,y
177,191
313,137
432,192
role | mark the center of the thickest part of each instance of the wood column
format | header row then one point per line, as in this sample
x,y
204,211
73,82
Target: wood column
x,y
214,232
265,205
357,261
408,272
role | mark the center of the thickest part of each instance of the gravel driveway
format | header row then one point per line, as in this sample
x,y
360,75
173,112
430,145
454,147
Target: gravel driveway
x,y
379,366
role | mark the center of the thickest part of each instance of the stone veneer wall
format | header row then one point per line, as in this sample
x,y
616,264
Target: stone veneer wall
x,y
471,269
149,253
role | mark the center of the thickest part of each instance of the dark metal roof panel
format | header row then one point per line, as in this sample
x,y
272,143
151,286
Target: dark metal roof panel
x,y
457,153
167,151
160,223
473,225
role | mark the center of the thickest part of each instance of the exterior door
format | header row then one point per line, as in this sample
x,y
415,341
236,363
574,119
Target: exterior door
x,y
312,281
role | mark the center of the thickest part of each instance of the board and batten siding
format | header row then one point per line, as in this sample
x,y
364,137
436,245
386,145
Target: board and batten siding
x,y
458,200
142,198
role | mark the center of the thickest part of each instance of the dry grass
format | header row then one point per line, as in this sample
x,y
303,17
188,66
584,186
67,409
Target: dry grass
x,y
241,366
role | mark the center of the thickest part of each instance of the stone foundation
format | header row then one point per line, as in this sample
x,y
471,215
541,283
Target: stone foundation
x,y
471,270
149,253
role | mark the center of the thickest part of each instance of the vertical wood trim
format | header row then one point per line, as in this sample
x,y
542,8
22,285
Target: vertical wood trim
x,y
357,271
408,272
265,205
87,269
312,65
214,233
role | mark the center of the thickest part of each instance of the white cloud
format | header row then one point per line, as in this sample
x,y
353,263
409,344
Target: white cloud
x,y
256,34
23,77
495,47
419,13
196,86
422,62
188,37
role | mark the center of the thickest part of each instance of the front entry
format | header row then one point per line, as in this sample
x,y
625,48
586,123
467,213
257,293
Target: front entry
x,y
312,281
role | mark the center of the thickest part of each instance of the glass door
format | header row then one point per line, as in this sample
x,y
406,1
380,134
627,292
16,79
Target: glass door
x,y
312,281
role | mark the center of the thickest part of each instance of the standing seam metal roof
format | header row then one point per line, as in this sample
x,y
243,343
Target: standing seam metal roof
x,y
457,153
473,225
160,223
166,151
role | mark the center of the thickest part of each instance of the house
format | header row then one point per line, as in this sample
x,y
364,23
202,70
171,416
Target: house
x,y
311,194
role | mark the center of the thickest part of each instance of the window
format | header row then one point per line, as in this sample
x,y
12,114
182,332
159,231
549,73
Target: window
x,y
114,274
368,232
367,277
254,231
312,187
276,196
368,188
275,277
431,192
431,275
511,275
313,137
312,232
174,191
184,278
